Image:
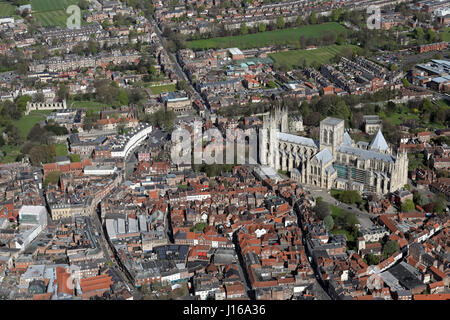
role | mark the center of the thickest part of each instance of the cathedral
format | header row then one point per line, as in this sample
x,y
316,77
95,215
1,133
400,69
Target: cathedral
x,y
334,162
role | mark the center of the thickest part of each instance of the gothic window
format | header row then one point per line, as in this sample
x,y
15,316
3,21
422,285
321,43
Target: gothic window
x,y
325,136
330,140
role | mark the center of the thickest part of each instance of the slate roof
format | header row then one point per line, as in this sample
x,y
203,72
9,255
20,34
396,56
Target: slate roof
x,y
297,139
379,143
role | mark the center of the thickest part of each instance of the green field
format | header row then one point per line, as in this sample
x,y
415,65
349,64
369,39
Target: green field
x,y
321,55
446,35
89,105
52,12
52,18
276,37
163,88
27,122
61,149
7,9
49,5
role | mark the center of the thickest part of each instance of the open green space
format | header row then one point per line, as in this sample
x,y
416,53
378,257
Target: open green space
x,y
89,105
49,5
163,88
323,55
27,122
344,223
7,9
289,36
52,12
61,150
446,35
397,119
52,18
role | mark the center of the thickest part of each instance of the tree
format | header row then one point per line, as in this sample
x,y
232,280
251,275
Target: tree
x,y
350,197
83,4
372,259
431,35
405,82
341,110
74,157
313,119
244,28
390,247
14,135
299,20
92,47
280,22
182,85
313,18
78,49
42,154
393,67
440,203
322,210
39,97
262,27
408,206
52,178
419,33
329,222
63,92
123,97
21,103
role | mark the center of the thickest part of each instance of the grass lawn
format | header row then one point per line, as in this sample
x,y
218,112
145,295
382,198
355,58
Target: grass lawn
x,y
27,122
56,18
163,88
446,35
52,12
89,105
397,119
276,37
323,55
61,149
336,211
7,9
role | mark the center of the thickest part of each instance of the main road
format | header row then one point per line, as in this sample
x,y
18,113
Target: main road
x,y
178,69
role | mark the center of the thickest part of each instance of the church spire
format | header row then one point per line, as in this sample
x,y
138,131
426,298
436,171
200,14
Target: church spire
x,y
379,143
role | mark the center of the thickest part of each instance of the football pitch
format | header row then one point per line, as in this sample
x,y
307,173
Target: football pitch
x,y
51,12
290,36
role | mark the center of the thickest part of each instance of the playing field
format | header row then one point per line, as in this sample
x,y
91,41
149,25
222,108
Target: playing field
x,y
276,37
49,5
294,58
51,12
163,88
7,9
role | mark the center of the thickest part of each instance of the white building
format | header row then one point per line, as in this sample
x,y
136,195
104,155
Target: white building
x,y
100,170
33,220
126,143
